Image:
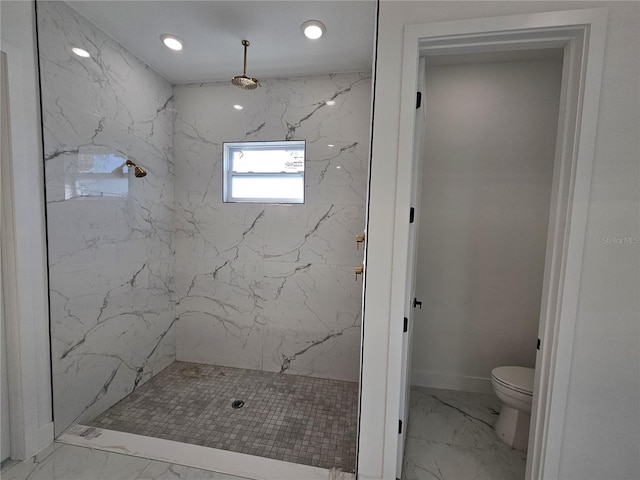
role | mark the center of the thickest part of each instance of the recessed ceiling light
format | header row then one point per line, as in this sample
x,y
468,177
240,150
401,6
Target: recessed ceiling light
x,y
313,29
238,107
80,52
331,145
171,41
331,102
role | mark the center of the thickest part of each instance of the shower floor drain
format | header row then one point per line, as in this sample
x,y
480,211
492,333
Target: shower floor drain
x,y
237,404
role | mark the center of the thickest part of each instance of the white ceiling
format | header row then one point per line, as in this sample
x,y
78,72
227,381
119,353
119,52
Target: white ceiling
x,y
212,31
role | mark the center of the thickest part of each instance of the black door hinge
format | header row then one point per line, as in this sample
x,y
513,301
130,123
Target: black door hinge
x,y
399,427
418,99
538,347
417,303
406,324
412,214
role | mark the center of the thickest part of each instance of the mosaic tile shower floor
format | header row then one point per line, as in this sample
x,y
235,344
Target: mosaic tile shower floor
x,y
304,420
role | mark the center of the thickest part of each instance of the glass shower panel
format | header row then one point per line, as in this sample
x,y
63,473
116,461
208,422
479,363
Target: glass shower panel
x,y
110,233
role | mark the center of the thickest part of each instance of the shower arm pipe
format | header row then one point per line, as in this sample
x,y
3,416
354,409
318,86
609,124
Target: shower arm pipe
x,y
244,67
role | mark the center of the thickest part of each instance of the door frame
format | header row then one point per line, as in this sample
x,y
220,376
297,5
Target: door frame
x,y
414,228
582,35
25,282
7,257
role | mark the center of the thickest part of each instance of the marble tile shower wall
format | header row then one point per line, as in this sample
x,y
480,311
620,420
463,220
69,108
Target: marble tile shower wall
x,y
272,287
111,254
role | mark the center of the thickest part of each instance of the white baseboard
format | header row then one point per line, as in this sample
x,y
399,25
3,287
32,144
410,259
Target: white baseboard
x,y
464,383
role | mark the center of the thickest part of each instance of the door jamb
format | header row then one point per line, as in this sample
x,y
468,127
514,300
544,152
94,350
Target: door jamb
x,y
582,34
27,320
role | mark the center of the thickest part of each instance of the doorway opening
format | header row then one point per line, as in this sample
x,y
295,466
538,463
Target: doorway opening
x,y
487,158
581,35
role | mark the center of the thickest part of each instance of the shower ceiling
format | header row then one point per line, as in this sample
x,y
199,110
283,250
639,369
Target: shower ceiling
x,y
212,30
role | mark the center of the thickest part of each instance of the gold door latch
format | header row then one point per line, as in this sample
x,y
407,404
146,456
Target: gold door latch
x,y
359,240
359,270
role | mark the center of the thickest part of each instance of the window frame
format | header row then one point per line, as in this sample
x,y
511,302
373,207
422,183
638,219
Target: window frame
x,y
228,174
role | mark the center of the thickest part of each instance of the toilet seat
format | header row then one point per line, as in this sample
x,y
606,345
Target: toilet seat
x,y
519,379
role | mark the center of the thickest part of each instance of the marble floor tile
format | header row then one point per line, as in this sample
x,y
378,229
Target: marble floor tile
x,y
451,437
425,460
168,471
69,462
457,418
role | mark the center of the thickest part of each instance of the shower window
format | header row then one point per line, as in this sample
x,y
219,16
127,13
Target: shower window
x,y
264,172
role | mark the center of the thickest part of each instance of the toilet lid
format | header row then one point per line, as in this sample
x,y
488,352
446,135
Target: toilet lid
x,y
519,379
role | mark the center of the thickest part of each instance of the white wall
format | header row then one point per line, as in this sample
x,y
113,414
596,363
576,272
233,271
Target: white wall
x,y
486,187
602,422
28,327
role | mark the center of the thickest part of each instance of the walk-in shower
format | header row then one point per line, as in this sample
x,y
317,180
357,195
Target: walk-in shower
x,y
167,304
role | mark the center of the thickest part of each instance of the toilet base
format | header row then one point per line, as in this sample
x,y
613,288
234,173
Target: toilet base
x,y
512,427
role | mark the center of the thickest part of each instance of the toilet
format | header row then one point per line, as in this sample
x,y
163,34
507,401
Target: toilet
x,y
514,387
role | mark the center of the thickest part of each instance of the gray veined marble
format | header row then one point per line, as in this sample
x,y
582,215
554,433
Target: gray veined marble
x,y
68,462
266,286
111,261
450,437
315,234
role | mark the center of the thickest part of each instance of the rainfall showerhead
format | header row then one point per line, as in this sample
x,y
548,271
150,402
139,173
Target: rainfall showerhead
x,y
242,81
139,172
245,83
